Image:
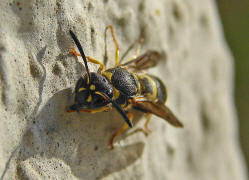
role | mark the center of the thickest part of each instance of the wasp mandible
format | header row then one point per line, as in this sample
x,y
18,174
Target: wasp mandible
x,y
122,87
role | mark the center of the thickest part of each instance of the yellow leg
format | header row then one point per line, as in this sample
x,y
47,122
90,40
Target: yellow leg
x,y
116,44
74,52
101,109
121,130
95,61
146,129
90,59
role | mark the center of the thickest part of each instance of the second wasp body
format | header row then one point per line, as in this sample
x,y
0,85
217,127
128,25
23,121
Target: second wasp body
x,y
123,87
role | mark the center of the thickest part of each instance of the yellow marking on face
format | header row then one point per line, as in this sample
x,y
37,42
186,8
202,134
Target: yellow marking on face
x,y
116,93
92,87
89,99
82,89
99,93
108,75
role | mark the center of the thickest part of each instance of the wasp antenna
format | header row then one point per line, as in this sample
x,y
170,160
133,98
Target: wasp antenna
x,y
120,110
127,120
77,42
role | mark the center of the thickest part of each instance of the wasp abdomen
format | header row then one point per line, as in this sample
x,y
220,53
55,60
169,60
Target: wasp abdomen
x,y
152,88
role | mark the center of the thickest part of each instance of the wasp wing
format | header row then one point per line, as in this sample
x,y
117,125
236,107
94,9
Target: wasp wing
x,y
145,61
158,109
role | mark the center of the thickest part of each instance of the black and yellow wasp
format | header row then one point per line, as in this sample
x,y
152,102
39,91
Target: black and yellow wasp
x,y
122,87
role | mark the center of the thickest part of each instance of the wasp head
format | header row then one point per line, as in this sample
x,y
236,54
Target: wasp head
x,y
88,95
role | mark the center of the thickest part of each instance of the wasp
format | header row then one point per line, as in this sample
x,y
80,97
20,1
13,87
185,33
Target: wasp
x,y
123,87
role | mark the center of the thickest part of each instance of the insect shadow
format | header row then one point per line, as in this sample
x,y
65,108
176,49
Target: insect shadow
x,y
80,140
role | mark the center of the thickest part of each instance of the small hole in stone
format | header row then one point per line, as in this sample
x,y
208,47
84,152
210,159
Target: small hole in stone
x,y
141,6
90,6
93,40
205,121
92,30
177,12
35,71
56,70
203,20
190,159
170,150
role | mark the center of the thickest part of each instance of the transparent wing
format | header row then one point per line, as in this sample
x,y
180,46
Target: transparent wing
x,y
145,61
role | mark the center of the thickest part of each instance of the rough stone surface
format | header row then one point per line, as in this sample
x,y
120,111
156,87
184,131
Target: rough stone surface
x,y
39,140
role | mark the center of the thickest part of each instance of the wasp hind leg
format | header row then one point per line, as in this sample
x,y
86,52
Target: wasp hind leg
x,y
138,45
120,130
147,131
101,109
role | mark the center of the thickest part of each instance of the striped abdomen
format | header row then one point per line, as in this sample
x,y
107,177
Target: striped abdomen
x,y
152,88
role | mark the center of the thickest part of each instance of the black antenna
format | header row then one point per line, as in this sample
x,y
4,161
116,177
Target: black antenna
x,y
127,120
77,42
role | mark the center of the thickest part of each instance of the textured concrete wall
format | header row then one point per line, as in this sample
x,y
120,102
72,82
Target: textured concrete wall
x,y
39,140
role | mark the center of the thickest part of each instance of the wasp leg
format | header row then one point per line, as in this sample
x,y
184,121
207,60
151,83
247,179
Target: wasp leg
x,y
101,109
138,47
146,129
90,59
121,130
138,44
74,52
95,61
116,44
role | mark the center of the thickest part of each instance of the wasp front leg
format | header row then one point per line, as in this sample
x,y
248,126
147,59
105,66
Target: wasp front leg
x,y
74,52
101,109
90,59
120,130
